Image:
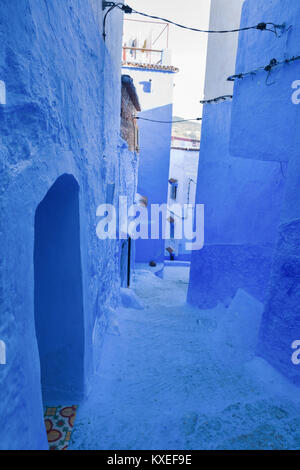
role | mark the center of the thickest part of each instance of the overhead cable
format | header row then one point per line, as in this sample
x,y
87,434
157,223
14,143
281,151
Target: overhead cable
x,y
217,99
262,26
267,68
167,122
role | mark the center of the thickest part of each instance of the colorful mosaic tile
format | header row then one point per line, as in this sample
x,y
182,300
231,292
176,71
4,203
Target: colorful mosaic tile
x,y
59,422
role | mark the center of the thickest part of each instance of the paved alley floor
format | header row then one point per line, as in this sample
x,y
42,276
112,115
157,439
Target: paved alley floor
x,y
173,377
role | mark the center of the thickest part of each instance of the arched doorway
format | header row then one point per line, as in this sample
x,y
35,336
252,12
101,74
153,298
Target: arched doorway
x,y
58,296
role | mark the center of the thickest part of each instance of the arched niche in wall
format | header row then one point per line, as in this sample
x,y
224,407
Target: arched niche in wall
x,y
58,293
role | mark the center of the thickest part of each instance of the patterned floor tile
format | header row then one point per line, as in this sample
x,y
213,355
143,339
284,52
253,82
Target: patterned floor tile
x,y
59,422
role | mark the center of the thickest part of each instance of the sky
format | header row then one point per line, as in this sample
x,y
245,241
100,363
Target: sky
x,y
188,48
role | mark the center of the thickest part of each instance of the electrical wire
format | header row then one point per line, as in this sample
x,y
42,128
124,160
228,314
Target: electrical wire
x,y
217,99
112,6
267,68
271,27
167,122
260,26
189,189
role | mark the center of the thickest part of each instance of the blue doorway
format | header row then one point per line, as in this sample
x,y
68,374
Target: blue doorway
x,y
58,293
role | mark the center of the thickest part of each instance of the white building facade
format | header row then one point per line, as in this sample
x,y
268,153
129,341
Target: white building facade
x,y
183,174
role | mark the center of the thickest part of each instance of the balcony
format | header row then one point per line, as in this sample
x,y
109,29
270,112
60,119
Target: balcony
x,y
143,56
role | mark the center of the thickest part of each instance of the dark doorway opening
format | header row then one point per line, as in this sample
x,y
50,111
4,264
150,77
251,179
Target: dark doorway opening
x,y
125,263
58,296
129,263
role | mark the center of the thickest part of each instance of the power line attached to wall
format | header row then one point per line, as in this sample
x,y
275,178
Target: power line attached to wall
x,y
168,122
217,99
262,26
267,68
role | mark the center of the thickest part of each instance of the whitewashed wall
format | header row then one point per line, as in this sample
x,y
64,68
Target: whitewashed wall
x,y
222,48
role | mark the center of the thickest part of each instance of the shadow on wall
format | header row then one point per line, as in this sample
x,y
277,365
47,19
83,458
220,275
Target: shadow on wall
x,y
58,296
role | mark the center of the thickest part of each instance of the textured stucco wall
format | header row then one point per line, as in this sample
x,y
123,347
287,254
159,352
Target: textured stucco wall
x,y
242,205
263,119
242,200
221,48
62,117
273,135
154,143
249,179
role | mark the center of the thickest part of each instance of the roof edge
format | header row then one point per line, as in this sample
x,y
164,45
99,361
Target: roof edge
x,y
162,68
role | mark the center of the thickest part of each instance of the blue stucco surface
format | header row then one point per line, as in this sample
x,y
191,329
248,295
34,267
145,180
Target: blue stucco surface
x,y
263,117
276,138
242,212
62,119
249,180
61,156
155,139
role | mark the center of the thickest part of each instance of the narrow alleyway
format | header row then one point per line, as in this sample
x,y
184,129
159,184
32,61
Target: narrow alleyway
x,y
172,377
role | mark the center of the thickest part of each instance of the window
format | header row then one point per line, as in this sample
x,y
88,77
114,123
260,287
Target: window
x,y
174,186
172,229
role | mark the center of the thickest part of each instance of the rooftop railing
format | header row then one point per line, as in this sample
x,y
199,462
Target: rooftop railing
x,y
142,55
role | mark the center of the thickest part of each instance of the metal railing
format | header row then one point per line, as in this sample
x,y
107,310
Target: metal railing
x,y
142,55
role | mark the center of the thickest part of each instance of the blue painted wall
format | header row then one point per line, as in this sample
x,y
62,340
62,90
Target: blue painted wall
x,y
249,180
274,135
263,117
153,175
62,117
129,163
242,201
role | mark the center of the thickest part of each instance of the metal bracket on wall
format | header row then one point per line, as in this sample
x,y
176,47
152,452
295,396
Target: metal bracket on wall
x,y
107,4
